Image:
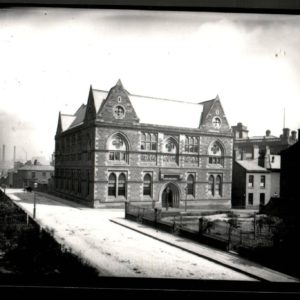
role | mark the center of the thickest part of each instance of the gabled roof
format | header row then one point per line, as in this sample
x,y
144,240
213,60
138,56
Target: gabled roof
x,y
66,121
206,108
251,166
99,98
79,116
166,112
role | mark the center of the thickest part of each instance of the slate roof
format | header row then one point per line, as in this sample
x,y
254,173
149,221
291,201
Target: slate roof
x,y
150,110
251,166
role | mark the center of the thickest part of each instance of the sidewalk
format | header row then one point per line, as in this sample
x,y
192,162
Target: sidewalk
x,y
226,259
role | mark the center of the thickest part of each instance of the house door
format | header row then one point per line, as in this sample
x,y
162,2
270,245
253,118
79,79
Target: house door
x,y
170,196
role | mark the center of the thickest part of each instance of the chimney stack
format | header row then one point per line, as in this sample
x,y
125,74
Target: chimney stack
x,y
268,132
294,135
286,133
3,153
255,152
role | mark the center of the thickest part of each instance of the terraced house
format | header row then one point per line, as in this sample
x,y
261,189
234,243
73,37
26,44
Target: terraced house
x,y
124,147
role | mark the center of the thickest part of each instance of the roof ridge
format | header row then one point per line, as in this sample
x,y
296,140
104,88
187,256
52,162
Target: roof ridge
x,y
156,98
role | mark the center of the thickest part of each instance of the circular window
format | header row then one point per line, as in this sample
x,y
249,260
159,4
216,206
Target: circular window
x,y
119,112
216,122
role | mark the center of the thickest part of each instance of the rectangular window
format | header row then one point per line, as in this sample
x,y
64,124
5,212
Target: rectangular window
x,y
250,198
262,198
251,181
33,175
263,181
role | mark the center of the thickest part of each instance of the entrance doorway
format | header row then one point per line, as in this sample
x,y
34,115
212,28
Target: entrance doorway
x,y
170,196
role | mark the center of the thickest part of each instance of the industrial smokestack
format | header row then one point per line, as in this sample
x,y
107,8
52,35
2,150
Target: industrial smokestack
x,y
14,154
3,153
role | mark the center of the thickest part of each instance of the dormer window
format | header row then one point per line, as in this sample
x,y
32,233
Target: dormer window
x,y
119,112
216,122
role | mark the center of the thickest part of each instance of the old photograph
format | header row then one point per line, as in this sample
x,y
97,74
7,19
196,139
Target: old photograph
x,y
149,144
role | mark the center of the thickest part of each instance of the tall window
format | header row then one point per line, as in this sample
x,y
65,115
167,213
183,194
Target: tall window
x,y
215,153
211,185
250,198
33,175
147,185
112,181
191,144
149,142
251,181
263,181
262,198
117,148
122,185
89,147
190,185
78,181
218,186
87,182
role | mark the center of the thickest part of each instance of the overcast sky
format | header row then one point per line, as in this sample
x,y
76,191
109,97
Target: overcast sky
x,y
50,57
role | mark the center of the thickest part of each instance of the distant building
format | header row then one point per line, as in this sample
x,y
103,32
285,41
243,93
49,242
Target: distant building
x,y
257,158
288,205
290,166
124,147
243,144
29,174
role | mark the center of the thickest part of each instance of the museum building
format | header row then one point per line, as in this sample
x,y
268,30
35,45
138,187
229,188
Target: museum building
x,y
157,152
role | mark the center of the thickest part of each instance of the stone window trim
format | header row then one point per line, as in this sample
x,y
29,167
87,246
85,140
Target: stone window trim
x,y
216,153
117,146
149,141
190,185
119,181
191,144
215,184
147,185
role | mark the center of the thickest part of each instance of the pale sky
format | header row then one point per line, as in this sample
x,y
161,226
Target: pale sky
x,y
50,57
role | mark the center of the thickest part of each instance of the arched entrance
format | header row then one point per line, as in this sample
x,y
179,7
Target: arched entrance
x,y
170,196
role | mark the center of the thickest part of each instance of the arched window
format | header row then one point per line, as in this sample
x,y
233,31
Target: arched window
x,y
170,146
112,181
148,142
122,185
190,185
191,144
117,147
147,185
218,186
216,153
211,185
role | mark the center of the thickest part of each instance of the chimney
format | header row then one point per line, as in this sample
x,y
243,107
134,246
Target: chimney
x,y
294,135
267,157
255,152
268,132
286,133
3,153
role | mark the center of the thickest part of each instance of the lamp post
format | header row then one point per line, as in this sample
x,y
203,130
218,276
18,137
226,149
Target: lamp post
x,y
186,192
34,199
167,202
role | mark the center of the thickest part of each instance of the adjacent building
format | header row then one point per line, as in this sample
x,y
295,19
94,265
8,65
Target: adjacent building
x,y
256,168
124,147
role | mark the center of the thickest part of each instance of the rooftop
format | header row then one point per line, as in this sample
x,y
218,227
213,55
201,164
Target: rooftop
x,y
251,166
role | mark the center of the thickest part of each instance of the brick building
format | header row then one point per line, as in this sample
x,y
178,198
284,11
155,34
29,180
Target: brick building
x,y
124,147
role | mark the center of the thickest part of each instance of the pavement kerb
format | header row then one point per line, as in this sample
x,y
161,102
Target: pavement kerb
x,y
227,265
